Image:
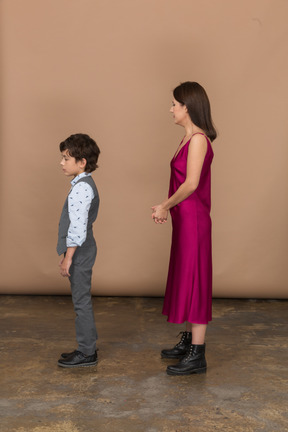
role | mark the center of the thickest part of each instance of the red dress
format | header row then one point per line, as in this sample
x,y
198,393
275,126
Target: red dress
x,y
188,294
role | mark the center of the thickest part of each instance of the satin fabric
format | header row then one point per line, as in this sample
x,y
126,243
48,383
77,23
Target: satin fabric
x,y
188,295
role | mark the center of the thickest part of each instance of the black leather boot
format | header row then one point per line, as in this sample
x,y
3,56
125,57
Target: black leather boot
x,y
179,349
193,362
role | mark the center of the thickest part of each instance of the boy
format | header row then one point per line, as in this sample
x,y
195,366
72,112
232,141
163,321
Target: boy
x,y
75,240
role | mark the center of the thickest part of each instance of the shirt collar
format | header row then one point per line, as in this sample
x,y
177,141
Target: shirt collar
x,y
75,180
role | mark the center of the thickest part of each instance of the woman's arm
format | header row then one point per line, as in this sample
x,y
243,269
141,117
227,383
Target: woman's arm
x,y
195,159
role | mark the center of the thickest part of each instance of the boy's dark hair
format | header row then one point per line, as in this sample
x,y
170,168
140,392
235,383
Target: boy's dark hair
x,y
197,103
81,146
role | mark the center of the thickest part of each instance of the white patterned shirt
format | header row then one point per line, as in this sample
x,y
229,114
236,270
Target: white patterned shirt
x,y
79,202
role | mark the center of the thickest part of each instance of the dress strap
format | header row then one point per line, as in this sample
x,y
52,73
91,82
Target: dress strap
x,y
201,133
198,133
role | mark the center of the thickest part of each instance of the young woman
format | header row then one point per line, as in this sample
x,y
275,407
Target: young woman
x,y
188,296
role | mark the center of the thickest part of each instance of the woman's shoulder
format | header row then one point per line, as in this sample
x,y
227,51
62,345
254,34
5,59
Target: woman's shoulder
x,y
199,139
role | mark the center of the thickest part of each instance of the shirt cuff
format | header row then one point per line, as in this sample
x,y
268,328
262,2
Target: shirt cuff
x,y
70,243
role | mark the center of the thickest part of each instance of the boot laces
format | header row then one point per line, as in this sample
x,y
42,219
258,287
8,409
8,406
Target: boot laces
x,y
183,337
188,355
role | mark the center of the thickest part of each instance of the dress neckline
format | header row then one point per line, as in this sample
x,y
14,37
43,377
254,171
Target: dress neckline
x,y
184,145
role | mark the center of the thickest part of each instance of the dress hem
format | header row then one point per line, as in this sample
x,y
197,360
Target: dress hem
x,y
184,321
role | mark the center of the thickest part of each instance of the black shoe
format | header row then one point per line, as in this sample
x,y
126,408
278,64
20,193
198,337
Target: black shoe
x,y
180,349
78,359
193,362
65,355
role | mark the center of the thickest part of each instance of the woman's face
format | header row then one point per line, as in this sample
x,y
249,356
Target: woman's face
x,y
179,112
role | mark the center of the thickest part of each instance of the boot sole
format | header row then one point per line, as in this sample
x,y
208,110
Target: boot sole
x,y
180,356
194,371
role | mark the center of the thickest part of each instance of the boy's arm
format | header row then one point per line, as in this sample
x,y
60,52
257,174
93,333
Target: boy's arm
x,y
79,202
66,262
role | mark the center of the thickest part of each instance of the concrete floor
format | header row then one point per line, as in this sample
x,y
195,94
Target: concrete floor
x,y
244,389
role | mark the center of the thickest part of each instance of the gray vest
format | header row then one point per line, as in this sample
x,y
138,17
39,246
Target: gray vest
x,y
65,221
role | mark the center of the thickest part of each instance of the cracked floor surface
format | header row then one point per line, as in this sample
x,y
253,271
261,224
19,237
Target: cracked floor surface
x,y
244,389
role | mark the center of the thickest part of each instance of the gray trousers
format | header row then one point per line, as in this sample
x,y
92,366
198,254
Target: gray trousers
x,y
80,280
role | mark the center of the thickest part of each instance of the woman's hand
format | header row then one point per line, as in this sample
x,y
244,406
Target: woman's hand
x,y
159,214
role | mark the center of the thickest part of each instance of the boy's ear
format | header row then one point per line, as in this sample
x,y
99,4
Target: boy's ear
x,y
83,163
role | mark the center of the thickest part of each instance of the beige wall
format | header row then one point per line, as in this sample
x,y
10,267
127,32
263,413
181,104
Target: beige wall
x,y
107,68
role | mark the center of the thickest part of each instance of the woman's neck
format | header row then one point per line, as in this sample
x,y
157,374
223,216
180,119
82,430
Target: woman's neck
x,y
191,129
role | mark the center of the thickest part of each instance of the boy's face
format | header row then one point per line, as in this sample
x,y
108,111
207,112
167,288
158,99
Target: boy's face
x,y
70,166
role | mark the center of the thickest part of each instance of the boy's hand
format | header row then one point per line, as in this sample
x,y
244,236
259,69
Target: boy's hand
x,y
64,265
66,262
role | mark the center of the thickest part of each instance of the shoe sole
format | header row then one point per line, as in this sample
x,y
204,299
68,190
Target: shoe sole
x,y
78,365
195,371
